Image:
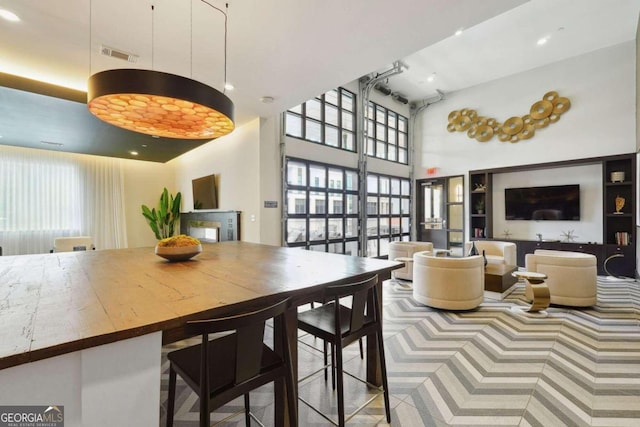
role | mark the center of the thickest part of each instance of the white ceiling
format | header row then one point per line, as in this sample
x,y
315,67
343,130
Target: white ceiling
x,y
292,50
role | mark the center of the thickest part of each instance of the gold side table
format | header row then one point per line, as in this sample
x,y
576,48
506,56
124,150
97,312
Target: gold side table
x,y
536,283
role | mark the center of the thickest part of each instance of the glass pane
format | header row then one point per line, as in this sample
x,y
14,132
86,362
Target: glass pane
x,y
372,248
335,248
395,186
372,205
317,175
296,202
351,248
392,137
395,225
294,125
347,101
455,238
352,204
371,128
314,109
317,203
331,114
380,115
384,185
395,206
296,173
370,111
371,148
335,178
384,226
296,230
384,247
404,206
405,225
331,97
402,140
352,180
456,217
351,227
402,124
392,153
405,187
372,183
318,248
380,133
455,190
347,141
347,120
402,155
336,204
297,109
372,226
392,120
331,136
317,229
383,208
335,228
313,131
381,150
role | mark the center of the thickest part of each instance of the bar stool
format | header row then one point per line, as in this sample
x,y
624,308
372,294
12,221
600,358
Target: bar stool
x,y
340,326
222,369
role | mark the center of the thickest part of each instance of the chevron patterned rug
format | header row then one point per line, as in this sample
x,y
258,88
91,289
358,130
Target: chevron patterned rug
x,y
493,366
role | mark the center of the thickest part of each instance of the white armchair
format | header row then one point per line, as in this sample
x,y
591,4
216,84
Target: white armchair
x,y
571,276
496,252
403,252
448,283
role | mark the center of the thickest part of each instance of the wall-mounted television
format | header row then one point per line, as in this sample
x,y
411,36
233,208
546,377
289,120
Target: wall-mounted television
x,y
205,193
550,203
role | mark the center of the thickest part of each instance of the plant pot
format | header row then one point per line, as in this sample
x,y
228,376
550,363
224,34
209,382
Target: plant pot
x,y
178,253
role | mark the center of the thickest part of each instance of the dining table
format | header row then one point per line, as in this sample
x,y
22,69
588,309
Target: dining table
x,y
84,330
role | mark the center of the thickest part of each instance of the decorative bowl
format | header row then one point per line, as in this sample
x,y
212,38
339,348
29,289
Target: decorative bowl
x,y
178,253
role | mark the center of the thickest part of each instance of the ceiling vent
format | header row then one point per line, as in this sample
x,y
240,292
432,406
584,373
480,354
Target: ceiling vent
x,y
118,54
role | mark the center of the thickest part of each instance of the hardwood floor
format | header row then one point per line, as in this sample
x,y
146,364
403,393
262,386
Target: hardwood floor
x,y
490,366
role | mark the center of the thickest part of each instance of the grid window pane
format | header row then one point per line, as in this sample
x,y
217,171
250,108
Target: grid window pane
x,y
372,247
296,202
372,183
380,115
296,109
351,180
317,176
331,136
351,248
372,226
371,147
404,206
335,178
405,225
335,248
405,187
392,137
313,131
351,227
383,248
318,203
392,120
331,115
296,230
380,132
402,140
347,141
381,150
395,206
352,204
402,124
314,109
347,120
331,97
384,185
335,228
296,173
294,125
402,155
347,101
391,154
317,229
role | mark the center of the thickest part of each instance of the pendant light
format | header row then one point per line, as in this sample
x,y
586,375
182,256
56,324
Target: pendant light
x,y
161,104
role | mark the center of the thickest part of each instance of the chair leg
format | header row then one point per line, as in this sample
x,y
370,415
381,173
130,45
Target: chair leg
x,y
292,401
361,349
333,366
247,410
326,374
171,399
341,415
383,370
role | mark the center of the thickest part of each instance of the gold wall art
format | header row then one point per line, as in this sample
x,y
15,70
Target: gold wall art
x,y
514,129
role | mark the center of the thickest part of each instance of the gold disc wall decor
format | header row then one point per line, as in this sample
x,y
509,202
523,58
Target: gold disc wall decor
x,y
541,114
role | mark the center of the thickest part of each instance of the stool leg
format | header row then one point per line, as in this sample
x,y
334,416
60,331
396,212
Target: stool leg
x,y
247,410
171,399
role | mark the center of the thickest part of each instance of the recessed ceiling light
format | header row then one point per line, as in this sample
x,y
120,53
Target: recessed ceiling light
x,y
431,78
458,31
228,86
543,41
133,153
9,16
144,145
266,99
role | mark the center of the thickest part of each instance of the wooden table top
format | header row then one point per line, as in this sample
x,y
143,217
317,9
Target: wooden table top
x,y
52,304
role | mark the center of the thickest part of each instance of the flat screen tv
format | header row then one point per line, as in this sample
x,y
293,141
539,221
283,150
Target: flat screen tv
x,y
550,203
205,193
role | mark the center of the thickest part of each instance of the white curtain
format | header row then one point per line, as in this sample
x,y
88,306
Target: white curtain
x,y
46,194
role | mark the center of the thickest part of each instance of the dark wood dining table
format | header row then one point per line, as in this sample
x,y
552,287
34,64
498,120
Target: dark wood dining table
x,y
52,305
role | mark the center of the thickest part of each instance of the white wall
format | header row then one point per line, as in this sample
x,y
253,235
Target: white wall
x,y
588,229
235,160
600,122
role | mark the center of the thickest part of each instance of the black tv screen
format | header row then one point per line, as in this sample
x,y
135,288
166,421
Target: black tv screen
x,y
205,193
551,203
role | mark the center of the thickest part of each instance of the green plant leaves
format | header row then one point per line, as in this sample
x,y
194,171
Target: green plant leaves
x,y
163,220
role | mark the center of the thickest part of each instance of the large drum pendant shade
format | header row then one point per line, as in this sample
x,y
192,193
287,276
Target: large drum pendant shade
x,y
159,104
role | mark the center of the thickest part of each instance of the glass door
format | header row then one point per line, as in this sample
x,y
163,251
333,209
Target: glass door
x,y
440,213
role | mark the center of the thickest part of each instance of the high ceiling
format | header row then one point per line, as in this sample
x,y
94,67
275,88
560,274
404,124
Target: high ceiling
x,y
289,50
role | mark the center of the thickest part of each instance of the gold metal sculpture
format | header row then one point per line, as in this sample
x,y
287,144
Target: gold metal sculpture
x,y
514,129
619,204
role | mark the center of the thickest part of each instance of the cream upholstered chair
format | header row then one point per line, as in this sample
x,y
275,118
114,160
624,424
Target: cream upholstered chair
x,y
70,244
496,252
399,250
447,282
571,276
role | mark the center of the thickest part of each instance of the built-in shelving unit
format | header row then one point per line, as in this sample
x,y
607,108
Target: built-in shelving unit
x,y
617,253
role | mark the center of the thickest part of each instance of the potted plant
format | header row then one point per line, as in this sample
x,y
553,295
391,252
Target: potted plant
x,y
163,221
480,206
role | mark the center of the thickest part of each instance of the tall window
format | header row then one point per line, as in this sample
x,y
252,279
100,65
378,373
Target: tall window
x,y
328,119
388,212
322,207
387,134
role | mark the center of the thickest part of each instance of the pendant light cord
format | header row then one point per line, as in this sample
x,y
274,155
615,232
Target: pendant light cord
x,y
224,89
